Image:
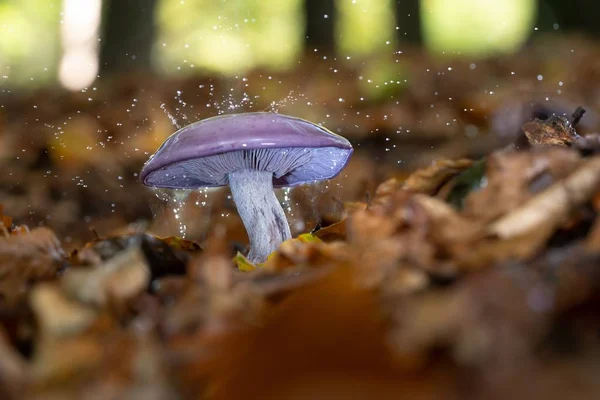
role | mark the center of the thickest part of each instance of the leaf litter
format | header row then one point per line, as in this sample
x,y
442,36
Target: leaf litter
x,y
464,277
407,294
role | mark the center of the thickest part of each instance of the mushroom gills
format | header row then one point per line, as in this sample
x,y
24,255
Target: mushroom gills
x,y
289,166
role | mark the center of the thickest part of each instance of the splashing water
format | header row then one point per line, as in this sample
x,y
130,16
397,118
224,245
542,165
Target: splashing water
x,y
175,201
303,204
183,104
184,210
203,198
295,222
204,201
315,194
171,117
236,99
230,103
179,200
290,99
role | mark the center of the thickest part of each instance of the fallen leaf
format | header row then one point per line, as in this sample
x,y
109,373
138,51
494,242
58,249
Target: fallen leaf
x,y
57,315
556,131
429,180
118,279
333,232
554,204
512,178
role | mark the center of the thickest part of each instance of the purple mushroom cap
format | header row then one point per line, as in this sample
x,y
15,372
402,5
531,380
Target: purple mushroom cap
x,y
204,153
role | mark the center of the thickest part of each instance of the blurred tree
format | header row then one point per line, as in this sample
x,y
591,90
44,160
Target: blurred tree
x,y
320,28
29,42
127,35
569,16
481,28
227,36
365,27
408,21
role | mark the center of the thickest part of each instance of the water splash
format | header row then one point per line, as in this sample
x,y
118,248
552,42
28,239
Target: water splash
x,y
178,204
287,201
173,120
230,103
236,98
204,200
185,211
304,205
285,198
181,110
314,193
290,99
175,202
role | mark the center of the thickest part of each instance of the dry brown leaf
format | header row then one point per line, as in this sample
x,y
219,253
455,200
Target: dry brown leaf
x,y
306,250
274,284
556,131
56,314
333,232
320,341
589,144
593,240
406,281
40,239
514,177
120,278
553,205
489,252
429,180
387,188
366,227
448,226
5,221
13,369
26,258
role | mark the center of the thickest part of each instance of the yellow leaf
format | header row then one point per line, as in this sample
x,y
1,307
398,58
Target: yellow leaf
x,y
243,264
307,238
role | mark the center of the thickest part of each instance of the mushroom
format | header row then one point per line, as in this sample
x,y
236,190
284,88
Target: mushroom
x,y
252,153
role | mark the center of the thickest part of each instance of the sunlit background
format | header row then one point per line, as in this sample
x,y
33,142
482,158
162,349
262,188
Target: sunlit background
x,y
45,41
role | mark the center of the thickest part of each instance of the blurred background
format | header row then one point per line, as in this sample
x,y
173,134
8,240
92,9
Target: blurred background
x,y
90,88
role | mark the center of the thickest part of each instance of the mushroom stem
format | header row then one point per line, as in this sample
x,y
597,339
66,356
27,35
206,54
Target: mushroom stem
x,y
260,211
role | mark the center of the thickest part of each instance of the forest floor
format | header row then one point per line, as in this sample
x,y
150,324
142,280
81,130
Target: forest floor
x,y
456,257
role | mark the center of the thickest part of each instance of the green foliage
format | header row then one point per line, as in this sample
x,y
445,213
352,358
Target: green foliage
x,y
228,35
481,27
232,36
365,26
29,41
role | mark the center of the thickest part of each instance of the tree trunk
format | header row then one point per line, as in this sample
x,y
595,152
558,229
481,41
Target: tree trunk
x,y
570,16
128,35
320,29
408,21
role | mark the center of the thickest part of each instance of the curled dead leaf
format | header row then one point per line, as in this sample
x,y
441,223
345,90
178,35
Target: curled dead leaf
x,y
429,180
553,205
119,279
556,131
26,258
333,232
13,369
512,178
58,315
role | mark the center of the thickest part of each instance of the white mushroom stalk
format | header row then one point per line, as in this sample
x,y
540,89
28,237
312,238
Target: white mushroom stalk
x,y
261,213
